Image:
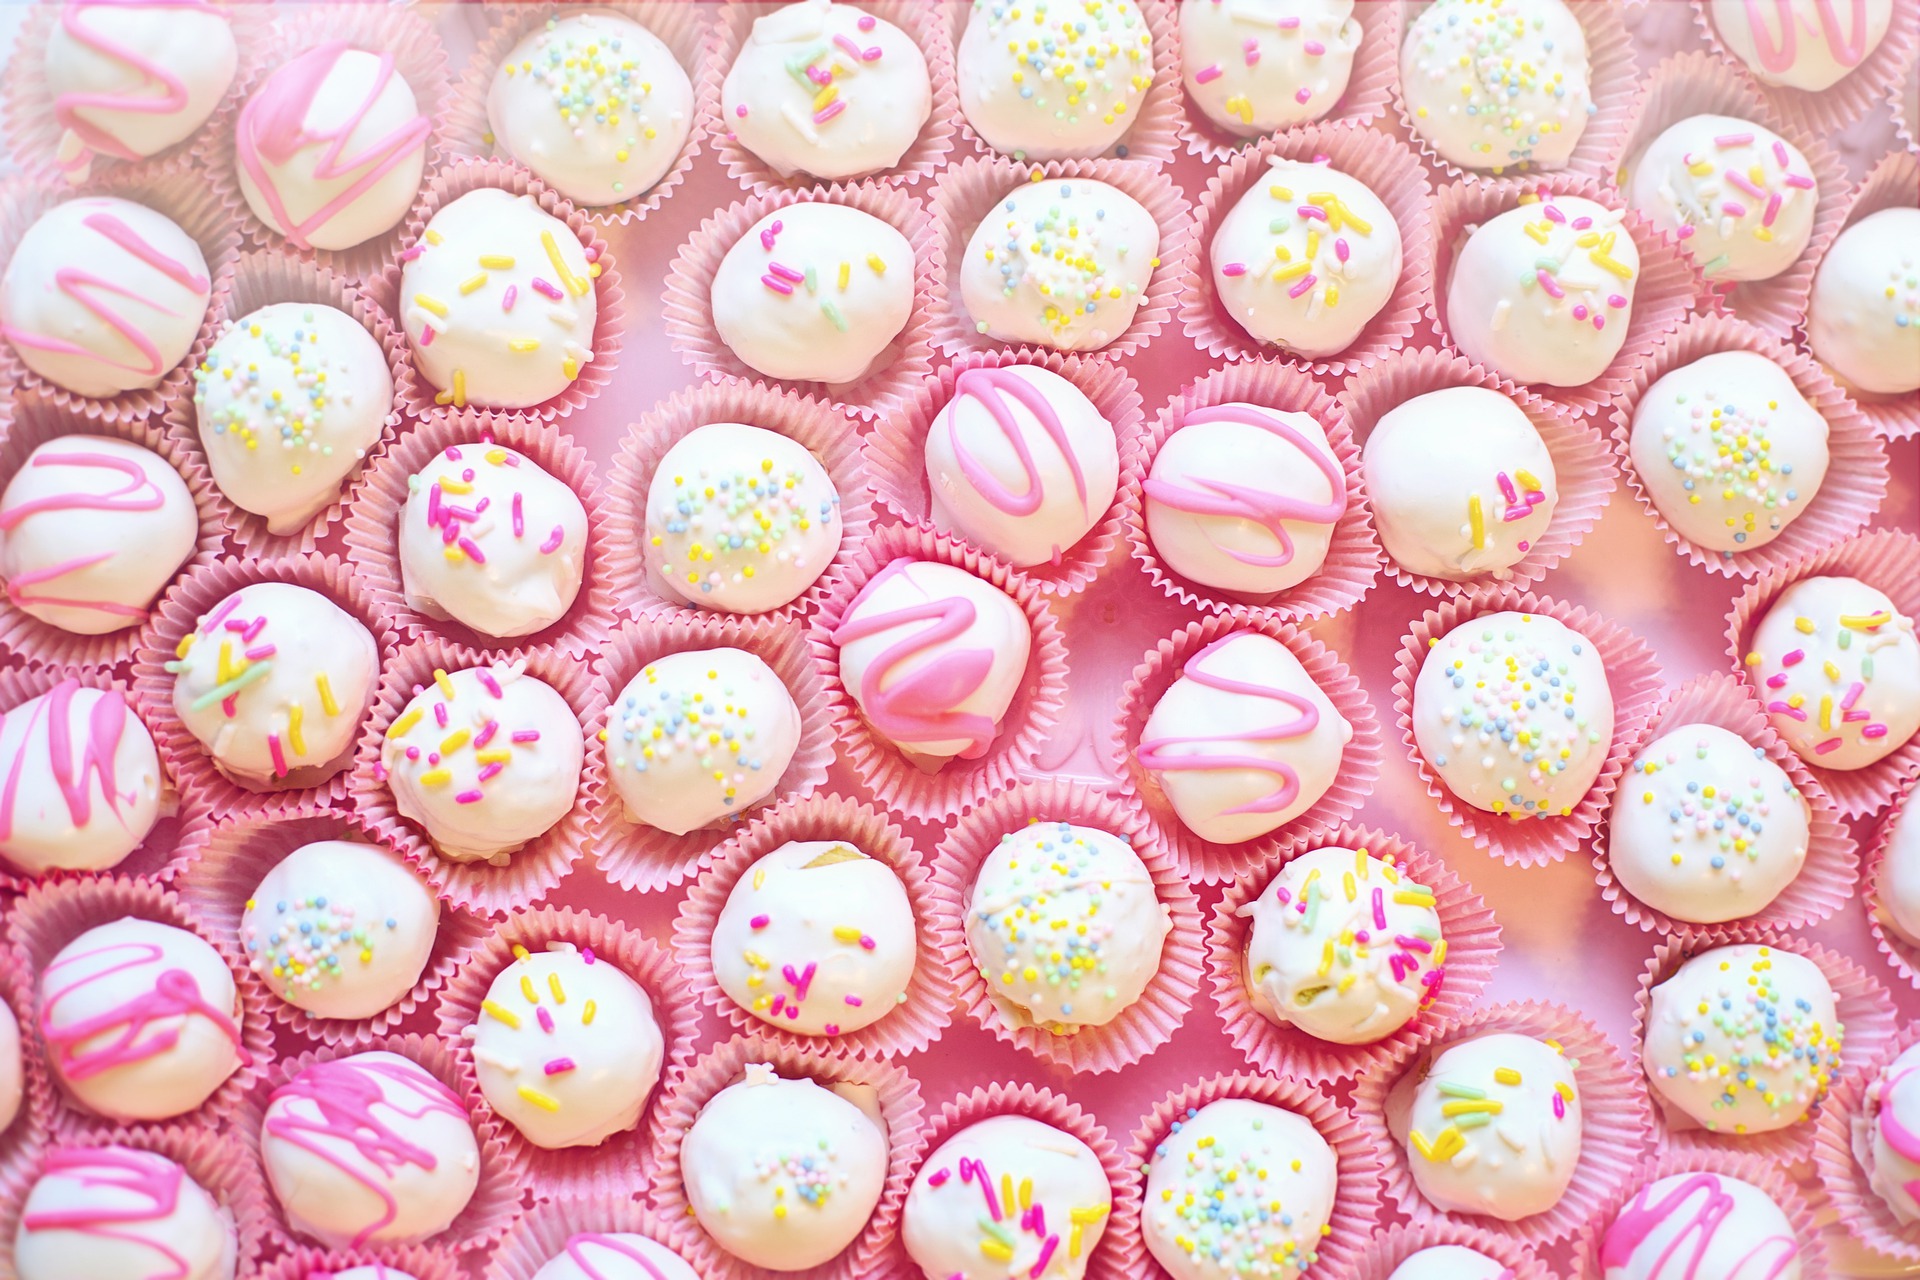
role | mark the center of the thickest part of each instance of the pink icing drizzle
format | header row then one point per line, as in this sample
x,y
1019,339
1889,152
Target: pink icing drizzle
x,y
106,725
173,995
154,1181
993,388
138,494
1848,47
1640,1219
173,90
1206,497
577,1252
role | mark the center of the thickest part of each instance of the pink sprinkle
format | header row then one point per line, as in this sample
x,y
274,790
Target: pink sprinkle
x,y
769,232
829,111
490,772
1772,210
1779,708
559,1066
473,550
440,713
1831,744
1741,181
1301,95
830,1028
1780,152
1616,300
546,1019
1039,1267
1312,211
1379,908
236,625
799,980
741,111
866,22
519,518
938,1178
408,255
1414,944
474,796
586,955
1252,48
1599,321
1777,681
512,459
1552,214
978,1169
1314,48
786,273
847,46
1507,490
1548,283
1582,223
779,1003
1733,208
487,682
1684,233
1733,140
760,922
279,756
1206,75
413,753
778,286
525,735
871,55
1037,1221
1234,269
546,290
254,629
426,335
508,298
1855,716
214,620
1579,311
867,943
1288,24
1874,731
1399,963
1794,659
554,539
1799,182
1853,696
1340,249
481,739
855,1001
260,651
1306,282
1559,1106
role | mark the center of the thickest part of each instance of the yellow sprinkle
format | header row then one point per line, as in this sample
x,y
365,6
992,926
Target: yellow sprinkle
x,y
432,236
523,344
473,283
1506,1075
500,1013
587,1012
401,725
1477,519
559,992
526,989
496,262
544,1101
436,777
877,264
446,685
454,741
575,285
294,739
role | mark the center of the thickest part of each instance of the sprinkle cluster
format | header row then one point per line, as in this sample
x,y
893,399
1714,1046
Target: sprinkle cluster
x,y
1726,194
453,509
591,85
702,720
1724,448
1014,1222
1353,954
1722,822
741,518
805,282
1310,249
1052,932
1239,105
543,1014
1567,242
1841,701
490,746
246,402
1499,60
809,1174
794,982
1902,290
820,70
1519,492
1062,251
1468,1107
1073,58
1230,1208
310,942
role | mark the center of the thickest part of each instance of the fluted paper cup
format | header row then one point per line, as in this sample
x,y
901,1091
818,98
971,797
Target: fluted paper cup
x,y
1385,1252
421,1262
1842,1135
541,1234
1904,101
1832,109
1890,184
21,1141
1875,855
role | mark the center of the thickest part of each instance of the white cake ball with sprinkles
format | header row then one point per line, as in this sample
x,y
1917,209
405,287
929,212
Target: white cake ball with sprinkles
x,y
1491,84
1053,79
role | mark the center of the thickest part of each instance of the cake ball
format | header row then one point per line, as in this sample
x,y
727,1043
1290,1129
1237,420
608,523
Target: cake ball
x,y
827,91
1543,292
1899,885
1450,1262
340,929
934,692
113,1212
83,781
368,1149
1343,946
488,327
1244,741
330,148
783,1174
1063,263
1254,66
288,401
492,541
1838,669
957,1211
1046,81
103,295
1021,463
1516,1166
611,1255
1064,926
1743,1039
1863,320
1513,712
1244,499
1306,258
1890,1114
139,1020
740,519
815,292
12,1068
1238,1188
1719,1226
594,103
1739,195
484,759
273,682
566,1047
1801,44
1491,84
1728,450
1461,483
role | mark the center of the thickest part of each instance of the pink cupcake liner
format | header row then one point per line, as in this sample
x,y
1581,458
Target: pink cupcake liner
x,y
1583,472
1029,720
927,1009
1832,109
687,306
1903,100
541,1234
418,1261
1203,860
965,194
380,497
537,866
643,858
1885,559
1467,925
1385,1252
1827,879
21,1141
1143,1026
1385,168
1863,1006
261,278
47,917
416,396
822,426
1842,1134
1856,480
895,451
693,1085
687,31
1356,1196
1613,1117
1353,555
623,1160
228,859
1633,676
1901,954
1890,184
179,613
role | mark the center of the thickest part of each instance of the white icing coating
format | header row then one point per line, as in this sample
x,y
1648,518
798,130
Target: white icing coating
x,y
816,938
1497,83
83,781
1899,884
612,1255
1046,83
1461,483
114,1212
12,1068
1697,1225
1254,66
1064,925
1742,196
1801,44
1890,1114
1495,1127
1450,1262
826,90
1863,320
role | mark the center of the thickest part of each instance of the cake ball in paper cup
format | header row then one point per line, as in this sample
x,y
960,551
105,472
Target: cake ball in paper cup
x,y
1862,317
1821,65
1447,1251
1864,1151
580,1234
1890,887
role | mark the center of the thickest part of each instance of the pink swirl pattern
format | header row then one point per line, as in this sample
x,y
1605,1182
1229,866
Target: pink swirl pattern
x,y
106,726
1704,1209
83,140
1848,43
137,1187
993,388
137,1030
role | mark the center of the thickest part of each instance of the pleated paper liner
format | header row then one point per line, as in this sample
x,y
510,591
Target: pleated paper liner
x,y
1826,881
903,1122
687,30
22,1140
1385,1252
1875,855
1843,1136
1856,480
1142,1027
623,1160
1904,101
1583,471
1371,158
1890,184
416,396
541,1234
418,1261
895,451
1353,553
529,873
882,769
1356,1191
1633,678
262,278
1830,110
1203,860
1467,926
823,427
1885,559
1613,1117
1863,1007
380,499
179,613
687,307
968,191
47,917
